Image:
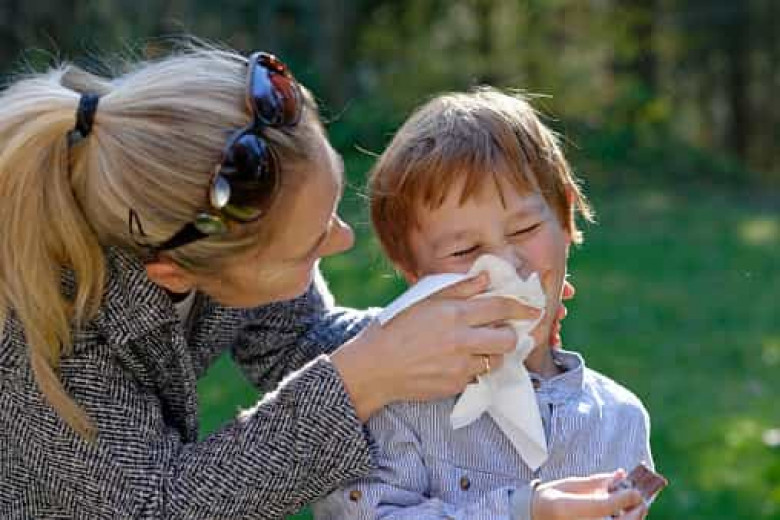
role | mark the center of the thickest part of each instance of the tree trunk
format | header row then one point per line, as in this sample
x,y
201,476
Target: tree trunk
x,y
738,58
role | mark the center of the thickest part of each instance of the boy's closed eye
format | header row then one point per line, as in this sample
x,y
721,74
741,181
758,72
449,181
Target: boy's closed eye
x,y
466,251
525,229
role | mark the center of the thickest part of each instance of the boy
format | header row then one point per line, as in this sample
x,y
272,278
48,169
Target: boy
x,y
470,175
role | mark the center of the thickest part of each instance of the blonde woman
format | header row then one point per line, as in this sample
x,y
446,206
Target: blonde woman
x,y
147,223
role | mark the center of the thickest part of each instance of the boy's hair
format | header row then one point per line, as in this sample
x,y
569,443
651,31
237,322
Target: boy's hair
x,y
468,138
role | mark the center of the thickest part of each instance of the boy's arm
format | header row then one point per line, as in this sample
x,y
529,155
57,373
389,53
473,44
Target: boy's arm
x,y
399,488
639,437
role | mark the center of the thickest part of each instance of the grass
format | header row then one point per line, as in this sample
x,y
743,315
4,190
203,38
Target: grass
x,y
677,299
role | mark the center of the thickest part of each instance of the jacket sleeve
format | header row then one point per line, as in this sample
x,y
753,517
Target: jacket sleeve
x,y
399,488
278,338
298,443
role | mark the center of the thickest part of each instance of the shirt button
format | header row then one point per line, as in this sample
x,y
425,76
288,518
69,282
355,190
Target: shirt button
x,y
465,483
355,495
536,383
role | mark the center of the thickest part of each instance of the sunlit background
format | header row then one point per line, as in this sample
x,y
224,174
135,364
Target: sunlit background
x,y
669,111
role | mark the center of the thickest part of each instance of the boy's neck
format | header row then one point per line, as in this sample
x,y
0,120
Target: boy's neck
x,y
540,361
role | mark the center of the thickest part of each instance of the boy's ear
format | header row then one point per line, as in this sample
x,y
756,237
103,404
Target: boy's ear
x,y
169,275
570,198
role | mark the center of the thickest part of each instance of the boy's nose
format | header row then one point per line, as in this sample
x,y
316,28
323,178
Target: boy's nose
x,y
515,258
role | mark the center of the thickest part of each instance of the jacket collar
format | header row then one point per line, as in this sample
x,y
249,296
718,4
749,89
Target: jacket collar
x,y
132,306
566,385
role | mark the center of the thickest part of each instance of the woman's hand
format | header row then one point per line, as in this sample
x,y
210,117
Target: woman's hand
x,y
586,498
431,350
555,334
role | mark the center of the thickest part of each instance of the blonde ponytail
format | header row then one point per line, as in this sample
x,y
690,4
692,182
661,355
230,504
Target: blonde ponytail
x,y
42,230
158,132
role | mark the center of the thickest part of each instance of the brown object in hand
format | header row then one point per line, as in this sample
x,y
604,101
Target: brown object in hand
x,y
645,480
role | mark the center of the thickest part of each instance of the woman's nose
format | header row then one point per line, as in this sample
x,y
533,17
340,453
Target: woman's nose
x,y
341,238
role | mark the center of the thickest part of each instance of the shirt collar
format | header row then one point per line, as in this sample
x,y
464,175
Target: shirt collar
x,y
566,385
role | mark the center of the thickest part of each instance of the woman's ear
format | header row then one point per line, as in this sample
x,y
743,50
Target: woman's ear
x,y
169,275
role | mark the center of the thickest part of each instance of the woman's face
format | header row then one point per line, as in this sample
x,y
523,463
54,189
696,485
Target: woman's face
x,y
310,229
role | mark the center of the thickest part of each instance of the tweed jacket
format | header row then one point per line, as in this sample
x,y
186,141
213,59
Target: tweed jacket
x,y
134,370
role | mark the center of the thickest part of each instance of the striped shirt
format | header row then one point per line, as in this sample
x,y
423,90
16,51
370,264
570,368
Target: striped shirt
x,y
428,470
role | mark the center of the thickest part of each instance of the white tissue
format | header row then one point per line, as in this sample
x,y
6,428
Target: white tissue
x,y
506,393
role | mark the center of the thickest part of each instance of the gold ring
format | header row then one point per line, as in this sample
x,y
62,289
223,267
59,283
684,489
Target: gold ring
x,y
486,359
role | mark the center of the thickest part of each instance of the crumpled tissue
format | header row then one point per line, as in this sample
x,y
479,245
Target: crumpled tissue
x,y
506,393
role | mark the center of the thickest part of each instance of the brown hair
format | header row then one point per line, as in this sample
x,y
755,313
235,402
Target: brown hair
x,y
468,137
158,133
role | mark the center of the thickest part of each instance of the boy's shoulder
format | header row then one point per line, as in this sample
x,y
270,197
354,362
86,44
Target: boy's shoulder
x,y
612,395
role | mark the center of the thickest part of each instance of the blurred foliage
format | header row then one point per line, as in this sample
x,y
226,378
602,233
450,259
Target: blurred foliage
x,y
688,83
668,109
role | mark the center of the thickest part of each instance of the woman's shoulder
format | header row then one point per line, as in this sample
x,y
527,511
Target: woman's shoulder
x,y
13,348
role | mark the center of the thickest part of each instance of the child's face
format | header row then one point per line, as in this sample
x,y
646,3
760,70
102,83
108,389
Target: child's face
x,y
523,230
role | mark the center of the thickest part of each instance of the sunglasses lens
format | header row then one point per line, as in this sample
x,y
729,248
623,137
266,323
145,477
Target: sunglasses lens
x,y
246,184
220,192
210,224
275,95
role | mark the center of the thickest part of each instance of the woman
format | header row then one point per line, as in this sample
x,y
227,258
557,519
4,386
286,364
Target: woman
x,y
145,240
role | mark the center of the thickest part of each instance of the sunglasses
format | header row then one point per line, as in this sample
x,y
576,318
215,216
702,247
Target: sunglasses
x,y
246,180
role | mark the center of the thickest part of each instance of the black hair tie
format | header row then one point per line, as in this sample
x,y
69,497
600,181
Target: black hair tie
x,y
85,113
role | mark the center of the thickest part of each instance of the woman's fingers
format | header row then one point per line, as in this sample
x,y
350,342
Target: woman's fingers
x,y
555,332
494,309
483,364
493,341
465,289
568,290
431,350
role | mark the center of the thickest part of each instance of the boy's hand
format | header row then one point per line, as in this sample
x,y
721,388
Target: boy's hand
x,y
555,334
586,498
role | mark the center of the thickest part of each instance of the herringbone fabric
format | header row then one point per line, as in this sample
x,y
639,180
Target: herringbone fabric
x,y
134,369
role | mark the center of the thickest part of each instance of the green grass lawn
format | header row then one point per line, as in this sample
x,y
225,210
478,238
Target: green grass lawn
x,y
678,301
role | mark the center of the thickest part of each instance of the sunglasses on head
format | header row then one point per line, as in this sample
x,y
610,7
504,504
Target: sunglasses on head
x,y
245,182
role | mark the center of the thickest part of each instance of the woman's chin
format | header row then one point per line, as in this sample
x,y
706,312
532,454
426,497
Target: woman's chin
x,y
295,291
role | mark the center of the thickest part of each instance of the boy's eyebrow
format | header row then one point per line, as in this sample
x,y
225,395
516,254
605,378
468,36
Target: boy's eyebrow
x,y
528,209
450,237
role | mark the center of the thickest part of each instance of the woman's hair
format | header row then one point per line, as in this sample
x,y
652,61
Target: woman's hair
x,y
468,139
158,133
